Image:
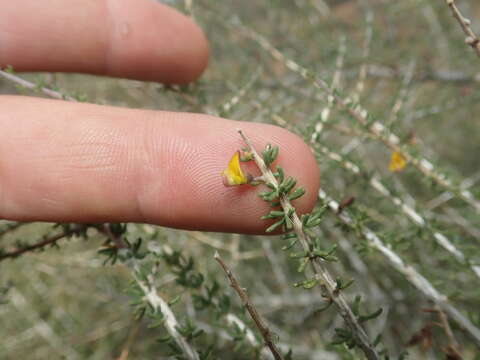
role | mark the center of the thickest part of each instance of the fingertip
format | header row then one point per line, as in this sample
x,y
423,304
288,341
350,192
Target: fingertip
x,y
195,57
242,207
135,39
155,42
195,53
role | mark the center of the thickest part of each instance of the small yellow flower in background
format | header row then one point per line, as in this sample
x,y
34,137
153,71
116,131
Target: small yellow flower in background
x,y
397,162
233,174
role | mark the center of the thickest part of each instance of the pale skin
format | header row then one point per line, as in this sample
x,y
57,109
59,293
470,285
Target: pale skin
x,y
71,162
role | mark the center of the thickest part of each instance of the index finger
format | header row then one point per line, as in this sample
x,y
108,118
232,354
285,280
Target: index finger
x,y
137,39
76,162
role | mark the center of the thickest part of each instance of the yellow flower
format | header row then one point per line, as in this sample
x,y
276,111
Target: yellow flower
x,y
397,162
233,174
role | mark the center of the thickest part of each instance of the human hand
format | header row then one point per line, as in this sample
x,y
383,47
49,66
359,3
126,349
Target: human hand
x,y
72,162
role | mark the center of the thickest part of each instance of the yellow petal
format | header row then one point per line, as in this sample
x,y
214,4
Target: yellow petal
x,y
397,162
233,174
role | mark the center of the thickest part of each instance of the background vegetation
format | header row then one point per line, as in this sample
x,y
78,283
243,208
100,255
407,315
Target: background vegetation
x,y
400,79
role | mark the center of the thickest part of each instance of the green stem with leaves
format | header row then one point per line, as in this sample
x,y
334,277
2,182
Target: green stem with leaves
x,y
321,274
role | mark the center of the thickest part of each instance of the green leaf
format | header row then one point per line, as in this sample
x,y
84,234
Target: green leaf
x,y
340,285
290,244
314,223
315,218
164,338
175,300
269,195
356,304
275,225
280,175
323,308
269,154
303,264
306,284
287,185
297,255
371,316
274,153
305,218
326,254
273,214
298,192
288,236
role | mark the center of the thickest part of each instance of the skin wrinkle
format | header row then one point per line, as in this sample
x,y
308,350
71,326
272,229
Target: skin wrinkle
x,y
146,165
164,170
148,159
187,158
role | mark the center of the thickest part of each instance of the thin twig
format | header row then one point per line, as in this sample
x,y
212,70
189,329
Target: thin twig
x,y
235,99
170,323
412,275
325,113
29,85
453,343
403,94
362,116
471,39
154,300
219,245
320,271
117,240
47,241
362,74
414,215
300,350
259,323
132,335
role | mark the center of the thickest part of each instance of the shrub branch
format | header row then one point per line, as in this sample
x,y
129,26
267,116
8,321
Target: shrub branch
x,y
363,118
320,271
50,240
29,85
146,284
257,319
471,39
412,275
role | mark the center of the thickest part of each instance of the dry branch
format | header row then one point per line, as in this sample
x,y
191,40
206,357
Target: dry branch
x,y
257,319
471,39
29,85
50,240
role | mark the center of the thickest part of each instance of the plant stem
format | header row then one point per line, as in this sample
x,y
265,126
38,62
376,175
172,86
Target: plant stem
x,y
375,128
472,39
47,241
410,273
151,296
257,319
29,85
320,271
